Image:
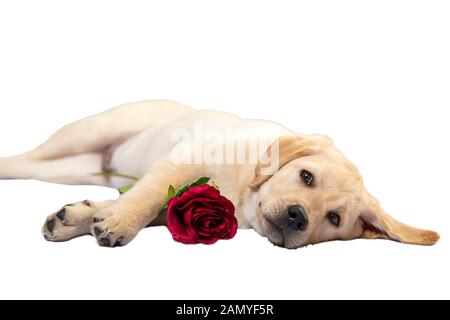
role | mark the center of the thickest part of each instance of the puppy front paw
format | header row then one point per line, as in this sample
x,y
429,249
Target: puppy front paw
x,y
64,225
113,230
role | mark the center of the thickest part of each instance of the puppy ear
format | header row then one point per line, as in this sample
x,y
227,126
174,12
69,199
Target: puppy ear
x,y
377,224
282,151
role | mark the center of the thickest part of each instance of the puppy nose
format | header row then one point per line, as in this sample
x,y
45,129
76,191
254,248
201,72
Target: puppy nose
x,y
298,219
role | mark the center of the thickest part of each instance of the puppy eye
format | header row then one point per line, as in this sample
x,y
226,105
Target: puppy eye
x,y
334,218
307,177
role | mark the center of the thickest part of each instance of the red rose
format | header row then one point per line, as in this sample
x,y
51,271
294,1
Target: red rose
x,y
201,215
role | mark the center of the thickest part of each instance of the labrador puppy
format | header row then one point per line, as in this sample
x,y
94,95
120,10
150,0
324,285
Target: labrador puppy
x,y
293,189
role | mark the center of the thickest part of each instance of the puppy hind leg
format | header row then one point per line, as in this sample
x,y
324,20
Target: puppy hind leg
x,y
72,170
92,134
13,167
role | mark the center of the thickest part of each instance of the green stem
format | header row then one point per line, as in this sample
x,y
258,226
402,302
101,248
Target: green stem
x,y
116,175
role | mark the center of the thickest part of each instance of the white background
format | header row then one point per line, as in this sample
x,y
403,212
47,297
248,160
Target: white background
x,y
373,75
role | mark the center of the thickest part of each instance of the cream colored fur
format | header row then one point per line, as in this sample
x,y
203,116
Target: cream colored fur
x,y
76,152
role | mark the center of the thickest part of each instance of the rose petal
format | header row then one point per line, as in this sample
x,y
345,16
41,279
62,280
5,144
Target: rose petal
x,y
201,215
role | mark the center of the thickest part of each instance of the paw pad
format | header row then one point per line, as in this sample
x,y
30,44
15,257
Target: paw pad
x,y
61,214
98,219
105,242
51,225
98,231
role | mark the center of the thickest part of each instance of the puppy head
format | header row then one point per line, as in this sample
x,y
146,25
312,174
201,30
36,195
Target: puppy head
x,y
317,195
